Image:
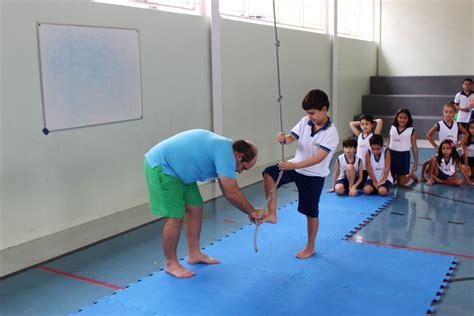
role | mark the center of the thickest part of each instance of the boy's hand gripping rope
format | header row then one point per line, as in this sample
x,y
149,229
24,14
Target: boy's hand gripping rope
x,y
280,97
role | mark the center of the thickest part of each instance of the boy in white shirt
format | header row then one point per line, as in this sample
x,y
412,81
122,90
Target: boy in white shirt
x,y
317,141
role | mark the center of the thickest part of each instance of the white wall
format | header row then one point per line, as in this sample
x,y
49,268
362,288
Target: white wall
x,y
426,37
355,64
249,81
50,183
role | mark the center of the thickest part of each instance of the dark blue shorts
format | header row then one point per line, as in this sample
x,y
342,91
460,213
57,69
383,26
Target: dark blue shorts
x,y
387,185
442,175
344,182
309,188
400,163
365,175
470,161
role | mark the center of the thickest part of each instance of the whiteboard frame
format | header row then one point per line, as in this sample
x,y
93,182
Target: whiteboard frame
x,y
38,24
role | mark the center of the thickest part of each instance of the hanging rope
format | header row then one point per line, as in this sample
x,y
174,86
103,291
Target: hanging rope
x,y
280,97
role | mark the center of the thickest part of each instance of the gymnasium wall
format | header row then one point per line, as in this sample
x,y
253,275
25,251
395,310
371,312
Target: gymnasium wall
x,y
249,81
355,63
51,183
426,37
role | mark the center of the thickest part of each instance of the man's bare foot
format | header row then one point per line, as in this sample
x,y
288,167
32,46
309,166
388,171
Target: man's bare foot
x,y
201,258
305,253
270,218
177,270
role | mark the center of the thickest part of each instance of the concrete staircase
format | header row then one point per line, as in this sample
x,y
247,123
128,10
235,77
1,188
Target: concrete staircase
x,y
424,96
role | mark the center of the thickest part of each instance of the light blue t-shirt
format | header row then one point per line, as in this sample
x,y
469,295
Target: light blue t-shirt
x,y
194,155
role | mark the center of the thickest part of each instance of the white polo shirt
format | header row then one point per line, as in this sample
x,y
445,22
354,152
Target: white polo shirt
x,y
309,143
463,101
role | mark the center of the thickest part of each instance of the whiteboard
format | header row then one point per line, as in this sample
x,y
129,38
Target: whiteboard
x,y
89,75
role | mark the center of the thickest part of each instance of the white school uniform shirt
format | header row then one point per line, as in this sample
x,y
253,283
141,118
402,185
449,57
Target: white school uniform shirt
x,y
309,143
447,132
343,162
363,144
379,166
470,149
463,101
448,168
400,141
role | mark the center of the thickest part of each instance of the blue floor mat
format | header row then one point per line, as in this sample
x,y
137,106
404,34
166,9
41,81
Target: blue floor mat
x,y
342,278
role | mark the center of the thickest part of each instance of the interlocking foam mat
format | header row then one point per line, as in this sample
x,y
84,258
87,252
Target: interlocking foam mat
x,y
343,278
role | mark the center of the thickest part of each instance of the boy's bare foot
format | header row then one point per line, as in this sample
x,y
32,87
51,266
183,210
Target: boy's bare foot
x,y
413,176
305,253
201,258
179,271
270,218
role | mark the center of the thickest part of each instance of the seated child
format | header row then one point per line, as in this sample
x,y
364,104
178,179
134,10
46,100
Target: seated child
x,y
348,171
447,128
443,166
362,129
377,160
468,150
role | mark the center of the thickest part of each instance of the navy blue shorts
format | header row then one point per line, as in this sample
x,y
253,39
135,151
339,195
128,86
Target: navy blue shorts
x,y
365,175
400,165
309,188
344,182
387,185
443,176
470,161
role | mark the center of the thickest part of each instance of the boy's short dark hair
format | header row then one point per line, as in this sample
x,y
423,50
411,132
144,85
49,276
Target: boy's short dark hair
x,y
244,147
467,79
349,142
315,99
376,139
367,117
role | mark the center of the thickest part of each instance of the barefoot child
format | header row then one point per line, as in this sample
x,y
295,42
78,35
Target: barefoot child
x,y
468,150
363,131
317,141
348,171
447,128
444,165
377,159
402,137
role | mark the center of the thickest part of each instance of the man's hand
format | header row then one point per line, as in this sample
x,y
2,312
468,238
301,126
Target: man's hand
x,y
257,215
285,165
331,190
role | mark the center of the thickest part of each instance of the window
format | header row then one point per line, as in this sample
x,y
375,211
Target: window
x,y
179,6
355,18
309,14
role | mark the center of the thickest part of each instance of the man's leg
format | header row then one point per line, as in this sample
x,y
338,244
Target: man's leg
x,y
171,232
192,227
313,226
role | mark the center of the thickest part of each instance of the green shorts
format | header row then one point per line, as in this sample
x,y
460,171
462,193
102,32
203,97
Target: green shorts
x,y
168,195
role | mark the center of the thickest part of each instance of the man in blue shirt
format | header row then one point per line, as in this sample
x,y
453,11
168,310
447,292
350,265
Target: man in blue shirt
x,y
172,168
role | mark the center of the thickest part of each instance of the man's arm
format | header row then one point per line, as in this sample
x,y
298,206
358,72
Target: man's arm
x,y
231,191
